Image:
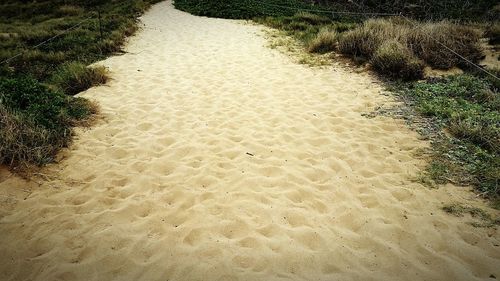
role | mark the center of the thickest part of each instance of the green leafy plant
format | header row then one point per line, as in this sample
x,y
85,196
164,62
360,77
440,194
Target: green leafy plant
x,y
467,107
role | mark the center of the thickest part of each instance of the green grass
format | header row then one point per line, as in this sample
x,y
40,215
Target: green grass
x,y
25,24
74,77
467,107
37,107
36,121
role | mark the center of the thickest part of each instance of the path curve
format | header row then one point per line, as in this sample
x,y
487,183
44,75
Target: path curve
x,y
221,159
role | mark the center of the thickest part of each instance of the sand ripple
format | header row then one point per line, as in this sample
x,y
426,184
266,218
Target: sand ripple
x,y
220,159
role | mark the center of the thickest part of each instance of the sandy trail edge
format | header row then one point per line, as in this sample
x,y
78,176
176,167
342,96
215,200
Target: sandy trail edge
x,y
221,159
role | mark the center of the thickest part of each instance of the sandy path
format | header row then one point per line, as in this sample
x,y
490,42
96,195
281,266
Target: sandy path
x,y
221,159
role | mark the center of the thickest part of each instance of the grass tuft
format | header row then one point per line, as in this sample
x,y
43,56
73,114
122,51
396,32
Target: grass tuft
x,y
70,10
324,42
420,39
75,77
396,60
427,41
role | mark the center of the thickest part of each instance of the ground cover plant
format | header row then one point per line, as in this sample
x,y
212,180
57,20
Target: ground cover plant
x,y
467,108
37,109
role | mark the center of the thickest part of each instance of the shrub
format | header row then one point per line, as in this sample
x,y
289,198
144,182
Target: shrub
x,y
75,77
33,100
424,9
427,42
396,60
423,39
366,39
325,41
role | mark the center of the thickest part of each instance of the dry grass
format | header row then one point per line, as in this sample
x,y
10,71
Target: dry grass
x,y
426,39
396,60
70,10
422,40
493,33
324,42
364,40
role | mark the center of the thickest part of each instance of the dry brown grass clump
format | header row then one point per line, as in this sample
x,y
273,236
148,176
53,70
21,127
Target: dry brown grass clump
x,y
396,60
70,10
325,41
427,40
364,40
416,41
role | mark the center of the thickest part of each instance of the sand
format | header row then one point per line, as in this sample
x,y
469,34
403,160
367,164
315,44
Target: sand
x,y
218,158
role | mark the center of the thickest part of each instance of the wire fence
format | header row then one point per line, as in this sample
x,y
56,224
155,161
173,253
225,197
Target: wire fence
x,y
48,40
482,69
